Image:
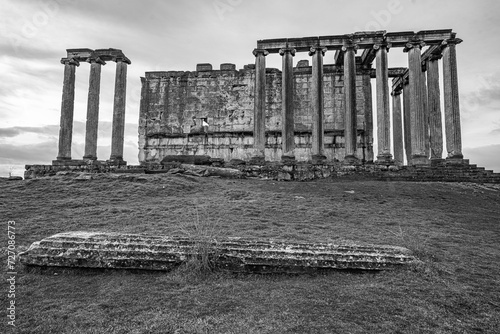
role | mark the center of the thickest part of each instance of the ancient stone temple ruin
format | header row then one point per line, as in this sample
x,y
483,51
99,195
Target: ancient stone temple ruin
x,y
310,113
309,120
96,58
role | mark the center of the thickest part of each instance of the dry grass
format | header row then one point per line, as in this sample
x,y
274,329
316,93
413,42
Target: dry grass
x,y
205,231
453,228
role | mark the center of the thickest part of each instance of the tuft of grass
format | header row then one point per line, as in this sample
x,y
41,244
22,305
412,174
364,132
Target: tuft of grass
x,y
415,242
205,233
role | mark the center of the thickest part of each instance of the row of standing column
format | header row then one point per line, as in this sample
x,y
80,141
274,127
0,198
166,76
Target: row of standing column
x,y
421,113
317,102
91,132
421,118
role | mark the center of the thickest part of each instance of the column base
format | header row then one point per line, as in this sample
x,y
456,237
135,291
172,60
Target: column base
x,y
318,159
456,161
384,159
62,159
453,155
419,160
89,157
437,162
397,163
116,162
351,160
288,158
257,160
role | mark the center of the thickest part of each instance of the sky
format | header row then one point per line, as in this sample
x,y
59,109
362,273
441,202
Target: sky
x,y
176,35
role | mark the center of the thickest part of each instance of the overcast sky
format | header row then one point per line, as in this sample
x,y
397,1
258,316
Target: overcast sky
x,y
176,35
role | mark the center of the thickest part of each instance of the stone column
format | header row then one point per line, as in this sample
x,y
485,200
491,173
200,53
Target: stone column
x,y
259,111
426,109
406,120
350,127
287,134
397,127
383,111
93,109
67,108
117,134
143,110
451,102
417,112
434,98
317,105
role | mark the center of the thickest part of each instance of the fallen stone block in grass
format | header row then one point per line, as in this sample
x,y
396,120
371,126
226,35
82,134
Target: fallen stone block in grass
x,y
134,251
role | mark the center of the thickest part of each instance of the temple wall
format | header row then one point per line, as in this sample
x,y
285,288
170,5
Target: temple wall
x,y
174,104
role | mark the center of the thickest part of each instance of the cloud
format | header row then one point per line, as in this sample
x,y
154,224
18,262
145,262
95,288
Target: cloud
x,y
11,46
488,92
50,130
484,156
24,154
105,129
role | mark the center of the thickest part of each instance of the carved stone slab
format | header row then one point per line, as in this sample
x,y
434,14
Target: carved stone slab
x,y
134,251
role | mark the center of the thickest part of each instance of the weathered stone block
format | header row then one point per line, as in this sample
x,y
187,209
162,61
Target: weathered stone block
x,y
204,67
132,251
227,67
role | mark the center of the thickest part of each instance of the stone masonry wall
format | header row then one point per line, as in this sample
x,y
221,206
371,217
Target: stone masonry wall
x,y
175,104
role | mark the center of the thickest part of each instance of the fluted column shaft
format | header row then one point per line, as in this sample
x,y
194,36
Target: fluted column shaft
x,y
426,112
407,121
417,111
350,131
451,100
93,109
117,134
397,127
317,102
67,109
259,111
287,134
383,109
434,98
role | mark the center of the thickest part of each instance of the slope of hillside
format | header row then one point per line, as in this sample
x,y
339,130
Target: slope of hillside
x,y
454,228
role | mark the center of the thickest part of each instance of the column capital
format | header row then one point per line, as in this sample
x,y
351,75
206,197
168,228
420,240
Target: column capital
x,y
287,50
315,49
257,52
451,41
96,60
350,46
397,91
414,44
70,61
435,56
122,59
382,45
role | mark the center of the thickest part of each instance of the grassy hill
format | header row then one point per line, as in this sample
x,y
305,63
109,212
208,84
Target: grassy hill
x,y
454,228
